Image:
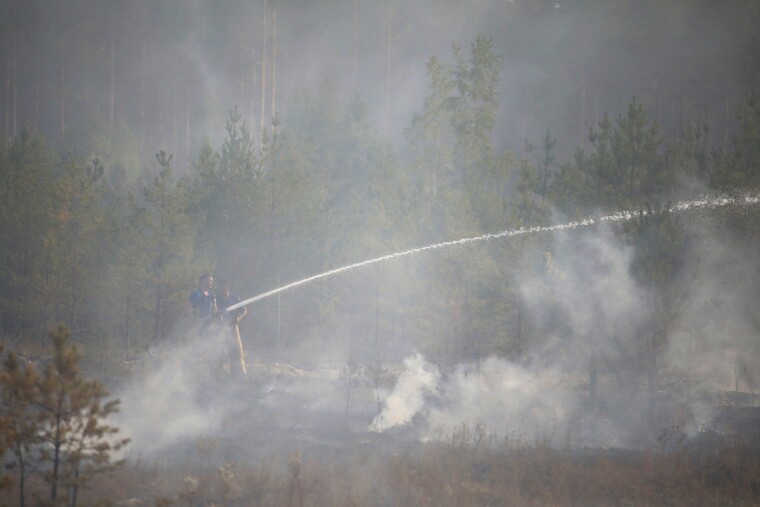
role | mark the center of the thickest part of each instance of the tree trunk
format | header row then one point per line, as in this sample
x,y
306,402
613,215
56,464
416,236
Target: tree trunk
x,y
57,442
36,94
436,157
262,110
14,87
582,119
112,77
592,377
252,91
354,44
727,117
19,450
273,236
143,73
274,58
651,370
159,288
378,294
519,333
387,89
73,239
175,125
161,128
26,297
6,86
10,69
127,304
75,487
466,323
188,43
74,280
159,285
279,317
62,83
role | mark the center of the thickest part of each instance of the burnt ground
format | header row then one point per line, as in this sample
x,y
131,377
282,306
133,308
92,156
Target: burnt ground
x,y
281,410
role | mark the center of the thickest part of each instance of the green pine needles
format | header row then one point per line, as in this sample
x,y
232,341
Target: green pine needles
x,y
53,426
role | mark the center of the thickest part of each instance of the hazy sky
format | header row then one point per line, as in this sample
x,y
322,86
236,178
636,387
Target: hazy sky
x,y
171,70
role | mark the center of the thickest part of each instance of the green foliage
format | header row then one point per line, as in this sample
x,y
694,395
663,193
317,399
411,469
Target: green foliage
x,y
28,215
738,167
55,423
431,134
540,181
462,188
74,240
166,235
690,160
18,386
114,251
223,193
624,168
456,170
474,108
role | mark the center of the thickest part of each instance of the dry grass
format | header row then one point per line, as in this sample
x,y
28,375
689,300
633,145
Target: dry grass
x,y
469,469
447,475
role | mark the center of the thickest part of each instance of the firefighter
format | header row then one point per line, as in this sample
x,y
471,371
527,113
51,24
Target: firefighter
x,y
203,300
234,345
204,308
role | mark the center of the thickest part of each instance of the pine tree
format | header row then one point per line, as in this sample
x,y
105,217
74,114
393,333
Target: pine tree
x,y
76,239
737,167
55,422
452,140
431,135
624,168
347,384
527,209
76,442
659,244
168,239
26,218
20,429
475,105
546,164
223,195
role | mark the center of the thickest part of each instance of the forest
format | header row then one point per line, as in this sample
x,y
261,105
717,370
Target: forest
x,y
143,144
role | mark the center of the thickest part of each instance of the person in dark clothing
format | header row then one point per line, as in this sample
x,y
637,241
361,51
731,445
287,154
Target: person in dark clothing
x,y
234,345
203,300
224,299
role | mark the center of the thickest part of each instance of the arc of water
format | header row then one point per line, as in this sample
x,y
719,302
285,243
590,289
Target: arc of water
x,y
620,216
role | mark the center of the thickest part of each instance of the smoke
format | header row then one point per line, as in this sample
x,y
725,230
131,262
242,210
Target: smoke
x,y
173,399
417,381
714,345
184,391
581,380
506,398
584,378
502,397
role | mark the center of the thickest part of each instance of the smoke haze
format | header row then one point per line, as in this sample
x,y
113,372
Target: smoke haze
x,y
587,287
358,129
170,72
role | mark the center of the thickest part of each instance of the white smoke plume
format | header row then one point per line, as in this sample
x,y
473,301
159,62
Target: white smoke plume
x,y
418,381
713,349
172,400
584,382
502,397
545,396
506,398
